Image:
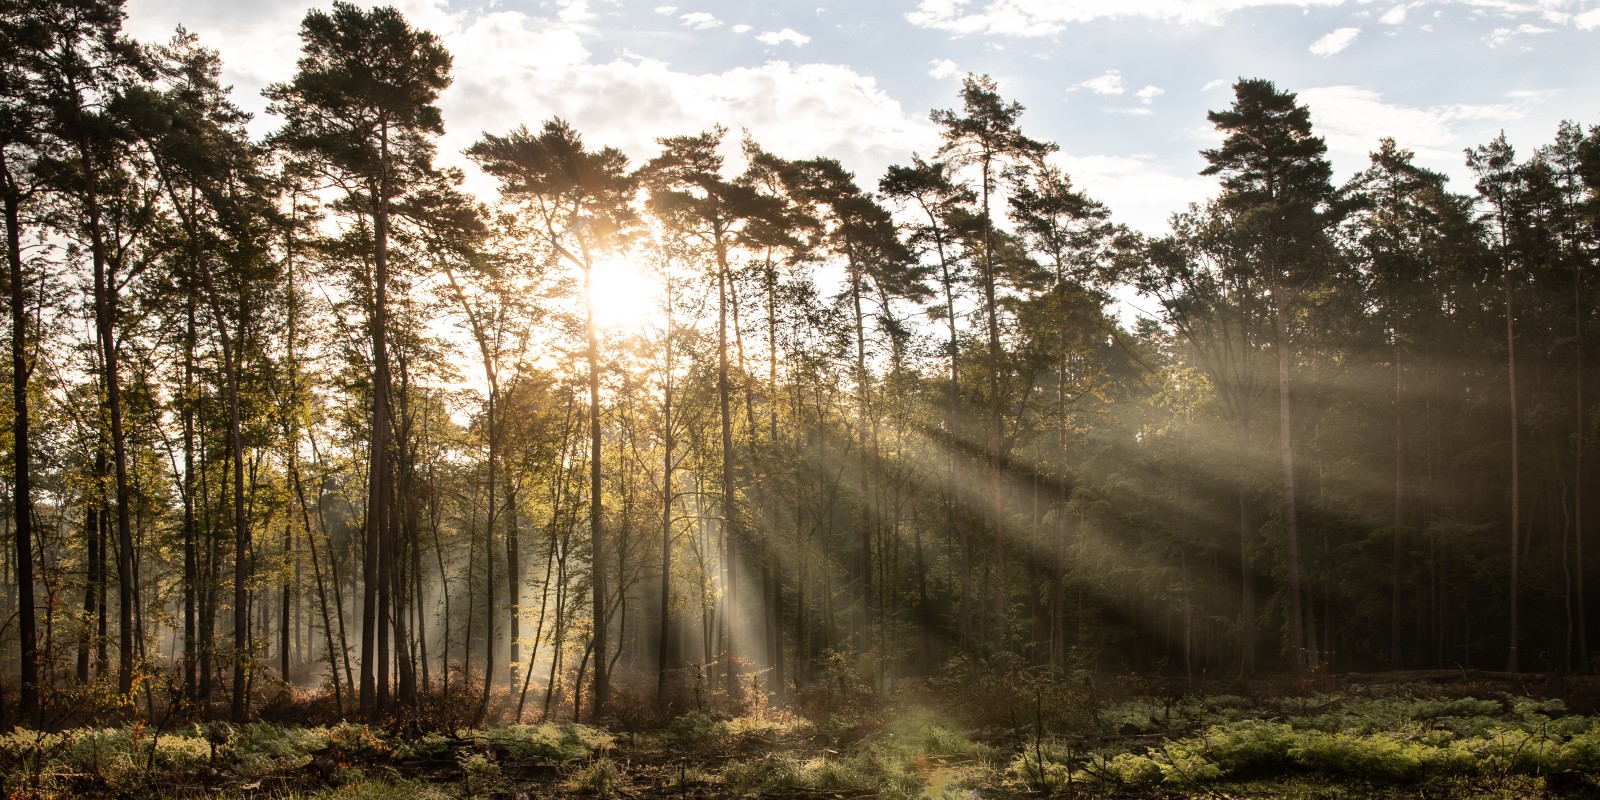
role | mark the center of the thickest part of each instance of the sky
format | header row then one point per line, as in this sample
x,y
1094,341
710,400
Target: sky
x,y
1122,86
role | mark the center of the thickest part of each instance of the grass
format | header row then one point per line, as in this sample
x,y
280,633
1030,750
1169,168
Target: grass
x,y
1410,742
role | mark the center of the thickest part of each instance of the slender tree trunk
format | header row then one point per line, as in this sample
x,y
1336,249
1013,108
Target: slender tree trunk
x,y
664,645
868,456
1577,462
1303,657
996,421
488,558
91,585
1516,458
1399,518
513,585
287,600
378,451
1247,578
191,532
730,515
596,510
22,492
105,316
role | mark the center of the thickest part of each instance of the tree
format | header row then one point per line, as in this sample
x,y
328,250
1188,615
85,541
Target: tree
x,y
1071,233
690,196
24,34
947,220
985,135
877,263
360,109
216,188
1411,232
1276,180
85,66
576,203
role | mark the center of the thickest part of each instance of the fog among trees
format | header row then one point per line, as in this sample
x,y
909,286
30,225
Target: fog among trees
x,y
294,419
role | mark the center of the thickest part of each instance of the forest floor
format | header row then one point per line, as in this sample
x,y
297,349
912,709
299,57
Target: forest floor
x,y
976,733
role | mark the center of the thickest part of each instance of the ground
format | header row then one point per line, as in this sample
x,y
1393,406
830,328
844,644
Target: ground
x,y
979,732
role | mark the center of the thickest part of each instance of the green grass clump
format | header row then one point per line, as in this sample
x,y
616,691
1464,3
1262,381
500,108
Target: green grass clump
x,y
547,743
601,776
383,789
1250,747
696,726
1131,770
260,749
1041,767
770,773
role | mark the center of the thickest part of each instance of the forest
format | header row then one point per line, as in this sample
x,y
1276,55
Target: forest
x,y
733,473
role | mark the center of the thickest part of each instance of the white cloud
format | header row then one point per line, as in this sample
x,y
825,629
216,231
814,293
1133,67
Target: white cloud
x,y
574,12
1049,17
700,20
1135,111
1502,35
1352,119
787,35
1109,83
1139,188
1034,18
666,10
943,68
740,28
1216,83
1397,14
1588,20
1334,41
794,110
1149,93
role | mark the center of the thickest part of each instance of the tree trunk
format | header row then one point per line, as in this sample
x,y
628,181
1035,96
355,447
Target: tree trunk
x,y
1297,640
1399,532
22,492
1516,457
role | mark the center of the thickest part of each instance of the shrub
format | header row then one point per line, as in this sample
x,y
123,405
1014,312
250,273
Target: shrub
x,y
1378,757
547,743
1251,747
600,776
1041,767
769,773
696,726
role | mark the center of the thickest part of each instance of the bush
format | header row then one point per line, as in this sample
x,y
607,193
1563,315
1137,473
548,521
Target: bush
x,y
1041,767
1251,747
600,776
547,743
769,773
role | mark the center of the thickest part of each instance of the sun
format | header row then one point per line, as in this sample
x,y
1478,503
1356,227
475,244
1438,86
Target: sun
x,y
624,296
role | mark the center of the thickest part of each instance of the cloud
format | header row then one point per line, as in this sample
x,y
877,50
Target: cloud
x,y
740,28
1502,35
1397,14
1140,188
1035,18
1029,18
1135,111
1109,83
1334,41
1215,83
1352,119
789,35
666,10
1149,93
793,110
574,12
1588,20
943,68
700,20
